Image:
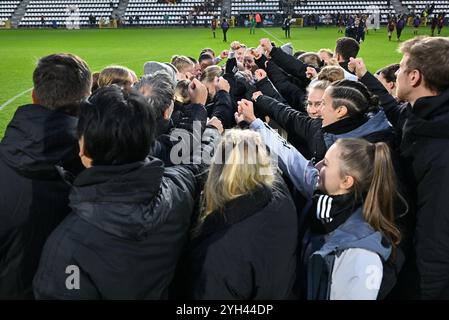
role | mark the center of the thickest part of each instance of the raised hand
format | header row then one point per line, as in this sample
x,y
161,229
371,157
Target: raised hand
x,y
197,92
215,122
266,45
246,110
357,66
223,84
235,45
224,54
260,74
256,95
311,73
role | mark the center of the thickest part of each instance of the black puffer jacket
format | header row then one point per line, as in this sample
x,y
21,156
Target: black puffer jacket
x,y
425,147
291,65
222,107
288,75
188,117
126,231
294,95
33,196
248,251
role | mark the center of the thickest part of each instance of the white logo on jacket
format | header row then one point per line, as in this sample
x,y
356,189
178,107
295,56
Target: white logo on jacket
x,y
72,282
374,277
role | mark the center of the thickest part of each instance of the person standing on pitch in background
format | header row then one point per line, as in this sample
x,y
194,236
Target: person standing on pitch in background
x,y
286,26
399,27
390,27
416,23
252,21
258,20
440,23
225,27
213,25
433,25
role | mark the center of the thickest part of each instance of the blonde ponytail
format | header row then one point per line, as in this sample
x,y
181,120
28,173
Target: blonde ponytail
x,y
374,180
378,205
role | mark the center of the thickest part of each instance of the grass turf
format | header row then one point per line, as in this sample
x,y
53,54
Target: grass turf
x,y
20,49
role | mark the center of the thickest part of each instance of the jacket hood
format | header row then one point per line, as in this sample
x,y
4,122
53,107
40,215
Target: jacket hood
x,y
375,124
429,117
125,200
37,139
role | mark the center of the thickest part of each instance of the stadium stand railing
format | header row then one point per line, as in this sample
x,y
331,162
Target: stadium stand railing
x,y
157,13
194,12
7,9
56,10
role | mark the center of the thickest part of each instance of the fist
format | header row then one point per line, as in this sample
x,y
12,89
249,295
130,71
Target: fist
x,y
260,74
265,43
224,54
215,122
332,62
311,73
197,92
357,66
255,53
235,45
256,95
246,110
223,84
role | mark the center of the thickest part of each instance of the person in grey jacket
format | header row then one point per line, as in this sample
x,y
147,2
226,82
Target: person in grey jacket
x,y
356,189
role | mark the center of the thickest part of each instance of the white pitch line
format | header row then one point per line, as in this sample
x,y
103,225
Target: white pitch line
x,y
14,98
272,35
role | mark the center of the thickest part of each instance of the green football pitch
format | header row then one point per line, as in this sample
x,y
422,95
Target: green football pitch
x,y
20,49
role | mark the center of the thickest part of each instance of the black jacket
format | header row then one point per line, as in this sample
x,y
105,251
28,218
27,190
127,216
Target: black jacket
x,y
425,146
425,149
268,89
222,108
240,87
294,95
33,196
248,251
191,117
392,109
126,231
291,65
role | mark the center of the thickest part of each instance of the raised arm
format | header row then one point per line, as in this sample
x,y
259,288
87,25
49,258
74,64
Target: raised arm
x,y
301,171
393,110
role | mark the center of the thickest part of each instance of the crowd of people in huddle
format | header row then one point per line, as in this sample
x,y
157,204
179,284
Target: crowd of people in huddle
x,y
256,173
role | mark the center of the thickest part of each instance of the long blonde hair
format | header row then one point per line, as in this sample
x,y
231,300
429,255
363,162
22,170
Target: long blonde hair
x,y
374,181
240,165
